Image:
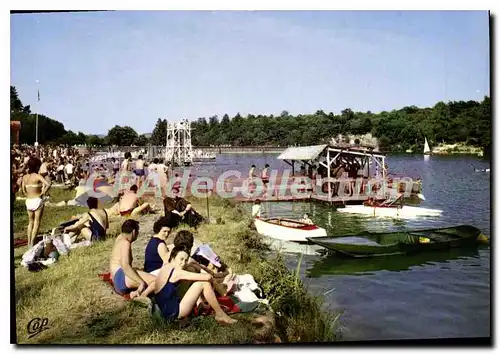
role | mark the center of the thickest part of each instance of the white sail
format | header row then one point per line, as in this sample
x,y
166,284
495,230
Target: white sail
x,y
427,150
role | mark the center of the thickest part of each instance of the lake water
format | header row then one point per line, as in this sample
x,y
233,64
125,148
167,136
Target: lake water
x,y
434,295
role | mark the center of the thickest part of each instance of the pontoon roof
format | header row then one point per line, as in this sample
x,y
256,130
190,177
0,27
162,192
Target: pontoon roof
x,y
302,152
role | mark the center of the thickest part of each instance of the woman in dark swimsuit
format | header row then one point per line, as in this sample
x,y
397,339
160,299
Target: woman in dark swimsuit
x,y
92,226
167,282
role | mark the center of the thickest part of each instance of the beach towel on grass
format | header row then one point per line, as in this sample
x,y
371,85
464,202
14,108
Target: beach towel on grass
x,y
230,304
19,242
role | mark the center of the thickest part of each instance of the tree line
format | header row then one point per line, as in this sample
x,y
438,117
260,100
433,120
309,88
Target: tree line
x,y
396,130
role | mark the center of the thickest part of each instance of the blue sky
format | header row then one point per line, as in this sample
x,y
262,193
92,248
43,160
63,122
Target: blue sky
x,y
100,69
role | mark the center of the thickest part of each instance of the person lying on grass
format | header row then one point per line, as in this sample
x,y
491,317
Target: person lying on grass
x,y
92,226
126,279
131,205
156,252
171,306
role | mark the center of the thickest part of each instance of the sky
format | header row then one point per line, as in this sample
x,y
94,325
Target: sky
x,y
101,69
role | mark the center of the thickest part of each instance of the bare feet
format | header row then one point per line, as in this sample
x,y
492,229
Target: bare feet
x,y
225,319
142,299
134,294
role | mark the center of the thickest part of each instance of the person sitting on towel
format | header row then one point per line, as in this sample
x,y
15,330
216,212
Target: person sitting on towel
x,y
157,252
130,205
171,306
92,226
256,208
184,209
126,279
185,238
205,259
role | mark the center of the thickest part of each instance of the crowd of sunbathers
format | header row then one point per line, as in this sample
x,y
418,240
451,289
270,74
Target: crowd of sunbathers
x,y
34,170
167,267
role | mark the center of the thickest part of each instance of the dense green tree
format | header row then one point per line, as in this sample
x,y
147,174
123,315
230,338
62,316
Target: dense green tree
x,y
397,130
142,140
94,140
15,103
121,136
159,135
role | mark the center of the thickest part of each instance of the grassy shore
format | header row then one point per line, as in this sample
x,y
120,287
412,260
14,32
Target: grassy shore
x,y
82,309
52,215
458,148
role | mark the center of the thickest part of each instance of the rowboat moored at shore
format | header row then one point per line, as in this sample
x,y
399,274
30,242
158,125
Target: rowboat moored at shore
x,y
403,242
394,211
287,229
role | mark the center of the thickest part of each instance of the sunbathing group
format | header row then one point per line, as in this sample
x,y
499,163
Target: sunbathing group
x,y
166,268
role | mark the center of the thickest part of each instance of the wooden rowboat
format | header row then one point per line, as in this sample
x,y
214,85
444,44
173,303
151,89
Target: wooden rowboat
x,y
405,242
287,229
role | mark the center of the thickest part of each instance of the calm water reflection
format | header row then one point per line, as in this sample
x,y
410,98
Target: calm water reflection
x,y
444,294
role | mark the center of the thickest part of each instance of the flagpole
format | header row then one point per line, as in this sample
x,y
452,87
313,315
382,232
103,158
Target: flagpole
x,y
36,119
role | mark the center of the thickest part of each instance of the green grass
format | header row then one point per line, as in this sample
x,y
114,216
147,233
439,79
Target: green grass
x,y
58,194
84,310
52,217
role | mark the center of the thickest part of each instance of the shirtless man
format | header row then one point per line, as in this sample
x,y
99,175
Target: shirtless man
x,y
265,176
251,172
68,169
126,279
126,162
44,169
93,225
130,205
139,167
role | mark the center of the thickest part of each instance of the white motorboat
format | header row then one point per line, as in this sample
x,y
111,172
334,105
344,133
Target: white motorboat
x,y
394,211
287,229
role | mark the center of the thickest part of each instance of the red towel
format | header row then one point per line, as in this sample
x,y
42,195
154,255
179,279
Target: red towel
x,y
19,242
226,302
106,277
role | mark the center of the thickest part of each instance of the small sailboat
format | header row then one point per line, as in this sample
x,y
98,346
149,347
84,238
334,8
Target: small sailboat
x,y
427,150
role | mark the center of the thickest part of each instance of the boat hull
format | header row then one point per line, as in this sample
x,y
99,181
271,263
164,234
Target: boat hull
x,y
394,212
408,242
268,228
